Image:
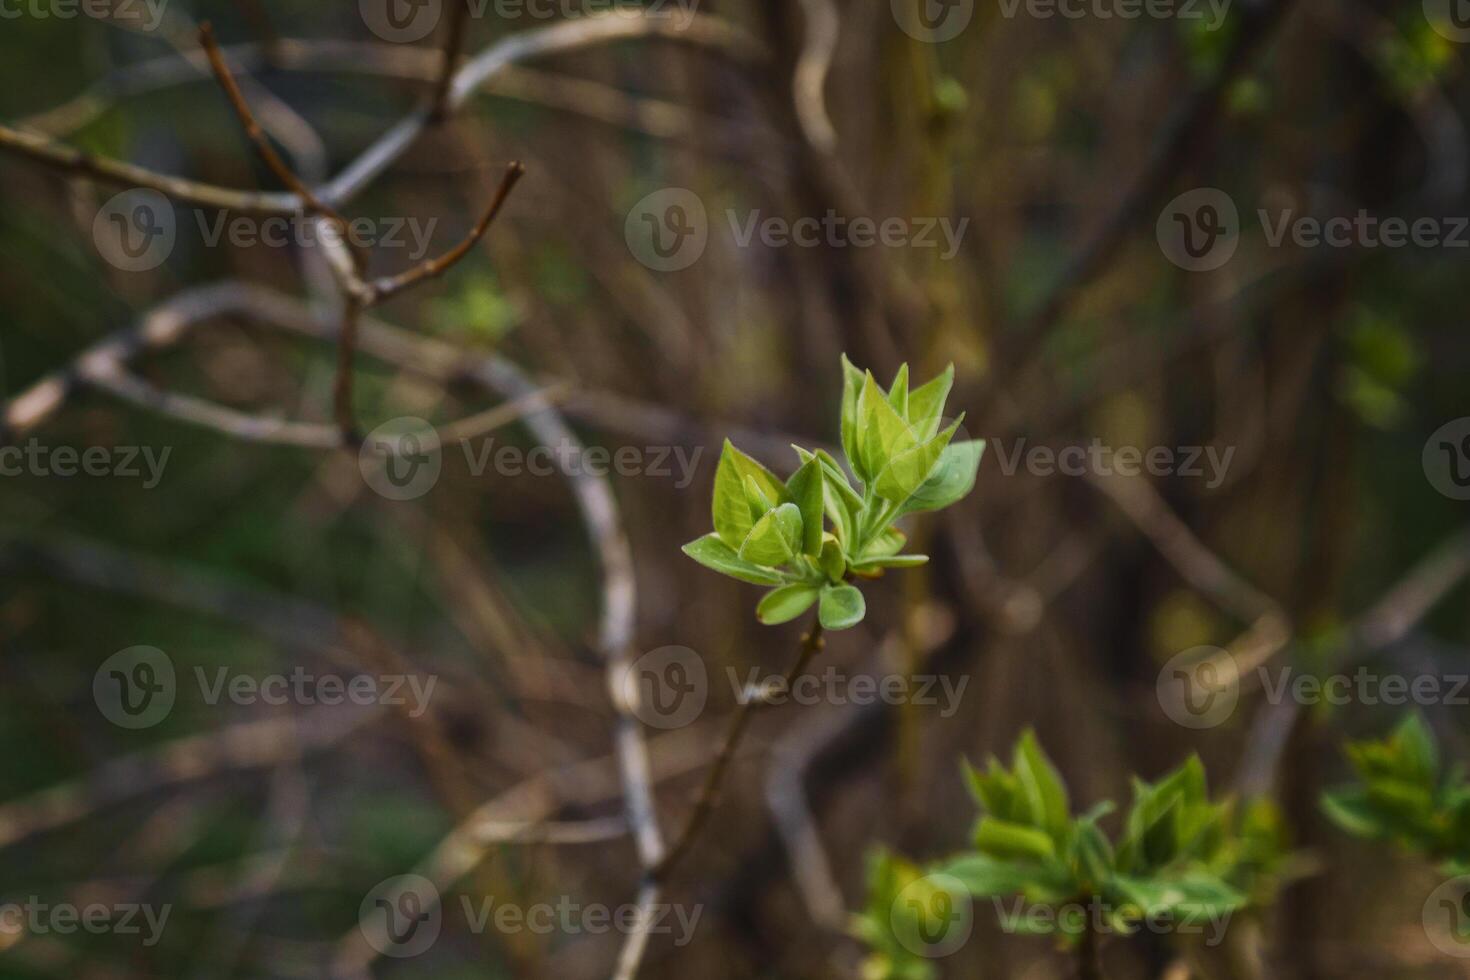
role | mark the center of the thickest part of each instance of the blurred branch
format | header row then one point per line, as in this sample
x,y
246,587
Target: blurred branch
x,y
69,160
248,745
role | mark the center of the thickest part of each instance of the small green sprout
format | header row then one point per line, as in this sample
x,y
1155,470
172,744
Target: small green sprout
x,y
1403,795
775,533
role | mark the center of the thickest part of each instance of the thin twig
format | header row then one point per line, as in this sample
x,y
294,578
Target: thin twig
x,y
71,160
453,43
257,135
811,643
386,288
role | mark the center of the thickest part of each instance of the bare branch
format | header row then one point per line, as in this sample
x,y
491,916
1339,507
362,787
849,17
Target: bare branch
x,y
384,289
71,160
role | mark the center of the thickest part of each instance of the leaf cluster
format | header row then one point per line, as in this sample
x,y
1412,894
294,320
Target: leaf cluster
x,y
808,536
1403,794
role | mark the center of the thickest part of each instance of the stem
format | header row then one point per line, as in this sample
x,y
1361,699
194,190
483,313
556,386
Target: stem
x,y
1089,958
811,643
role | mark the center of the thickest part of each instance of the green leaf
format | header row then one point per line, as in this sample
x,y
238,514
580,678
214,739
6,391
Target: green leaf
x,y
833,564
1351,810
844,504
892,561
898,392
712,552
841,607
757,499
1042,786
786,603
882,432
886,544
950,481
852,385
775,539
985,877
926,404
1007,840
807,489
906,471
731,507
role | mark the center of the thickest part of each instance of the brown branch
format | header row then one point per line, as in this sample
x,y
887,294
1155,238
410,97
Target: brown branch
x,y
257,135
811,643
386,288
71,160
453,45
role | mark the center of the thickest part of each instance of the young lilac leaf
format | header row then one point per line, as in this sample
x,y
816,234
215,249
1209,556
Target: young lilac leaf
x,y
907,471
926,404
757,500
844,504
875,565
898,392
731,509
1043,787
832,562
852,385
951,480
886,544
987,877
775,539
882,432
807,489
1012,840
712,552
841,607
786,603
